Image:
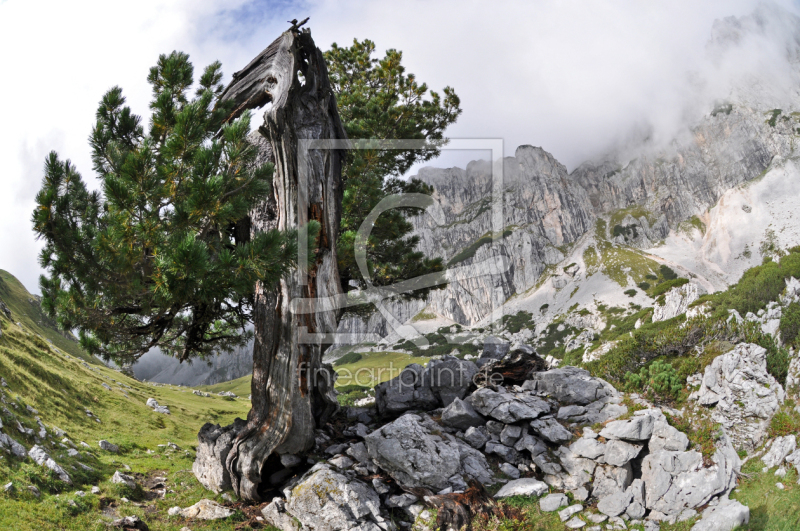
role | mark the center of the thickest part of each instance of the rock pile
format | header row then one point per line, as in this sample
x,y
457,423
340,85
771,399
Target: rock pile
x,y
535,438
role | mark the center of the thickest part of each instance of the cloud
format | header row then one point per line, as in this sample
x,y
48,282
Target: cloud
x,y
574,77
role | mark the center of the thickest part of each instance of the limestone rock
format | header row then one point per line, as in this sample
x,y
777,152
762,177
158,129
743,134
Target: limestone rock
x,y
450,378
325,500
123,479
522,487
507,407
414,457
744,395
206,510
638,428
550,430
11,444
675,481
570,385
461,415
553,502
410,390
153,403
677,301
476,437
108,447
42,458
725,516
780,449
615,504
494,348
618,452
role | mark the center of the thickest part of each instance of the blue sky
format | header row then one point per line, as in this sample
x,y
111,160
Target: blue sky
x,y
574,77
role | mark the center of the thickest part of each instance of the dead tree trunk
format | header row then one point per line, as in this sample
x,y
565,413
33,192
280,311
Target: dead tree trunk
x,y
292,391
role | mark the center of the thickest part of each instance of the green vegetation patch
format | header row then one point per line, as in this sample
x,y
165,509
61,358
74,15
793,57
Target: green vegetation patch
x,y
469,251
515,323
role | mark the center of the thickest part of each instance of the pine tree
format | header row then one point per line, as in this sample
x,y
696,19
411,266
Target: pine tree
x,y
377,99
162,257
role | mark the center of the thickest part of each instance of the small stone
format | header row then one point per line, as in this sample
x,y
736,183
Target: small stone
x,y
9,487
779,486
510,470
95,490
34,490
108,447
123,479
569,512
174,511
575,523
553,502
380,486
523,487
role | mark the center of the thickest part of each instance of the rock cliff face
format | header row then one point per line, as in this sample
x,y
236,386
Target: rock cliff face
x,y
546,211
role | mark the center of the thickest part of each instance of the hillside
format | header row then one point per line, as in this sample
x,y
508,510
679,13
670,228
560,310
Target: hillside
x,y
57,381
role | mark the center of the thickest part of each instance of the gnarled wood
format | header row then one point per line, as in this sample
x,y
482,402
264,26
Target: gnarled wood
x,y
457,511
292,392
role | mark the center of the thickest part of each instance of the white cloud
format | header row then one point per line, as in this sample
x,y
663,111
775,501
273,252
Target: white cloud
x,y
574,77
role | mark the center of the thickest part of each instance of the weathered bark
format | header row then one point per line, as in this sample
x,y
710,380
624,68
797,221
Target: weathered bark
x,y
292,391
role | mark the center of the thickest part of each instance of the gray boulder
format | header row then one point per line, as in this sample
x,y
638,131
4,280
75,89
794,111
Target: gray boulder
x,y
495,348
522,487
550,430
725,516
588,447
666,437
553,502
615,504
108,447
611,479
42,458
508,407
570,385
450,378
205,510
461,415
325,500
414,457
214,444
476,437
510,435
618,452
781,447
9,443
123,479
153,403
410,390
638,428
676,481
744,395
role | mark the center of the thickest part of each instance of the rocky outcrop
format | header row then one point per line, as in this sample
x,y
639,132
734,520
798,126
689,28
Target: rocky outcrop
x,y
743,395
415,456
42,458
677,301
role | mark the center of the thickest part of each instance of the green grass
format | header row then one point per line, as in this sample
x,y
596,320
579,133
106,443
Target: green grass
x,y
635,211
771,509
61,386
376,367
239,386
27,311
622,263
470,250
